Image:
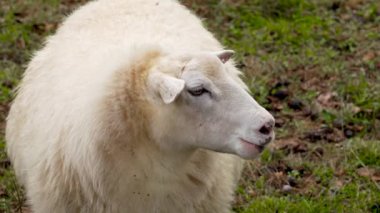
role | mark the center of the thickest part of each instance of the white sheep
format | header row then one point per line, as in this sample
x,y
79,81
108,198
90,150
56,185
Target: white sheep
x,y
131,107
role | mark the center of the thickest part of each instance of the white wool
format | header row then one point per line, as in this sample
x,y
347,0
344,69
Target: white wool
x,y
73,147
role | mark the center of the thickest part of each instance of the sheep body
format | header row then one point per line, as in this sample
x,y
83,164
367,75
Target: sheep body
x,y
66,132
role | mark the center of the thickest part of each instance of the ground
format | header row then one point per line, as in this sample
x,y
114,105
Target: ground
x,y
315,65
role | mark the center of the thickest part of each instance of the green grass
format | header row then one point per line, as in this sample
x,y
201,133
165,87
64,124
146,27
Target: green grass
x,y
317,50
331,184
324,54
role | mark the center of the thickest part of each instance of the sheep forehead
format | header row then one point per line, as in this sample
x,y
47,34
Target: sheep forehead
x,y
208,65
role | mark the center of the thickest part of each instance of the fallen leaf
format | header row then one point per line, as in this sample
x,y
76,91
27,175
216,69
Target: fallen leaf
x,y
345,17
325,98
369,56
376,176
338,184
365,171
353,4
292,145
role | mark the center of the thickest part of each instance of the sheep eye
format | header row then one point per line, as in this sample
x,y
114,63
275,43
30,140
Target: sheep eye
x,y
198,91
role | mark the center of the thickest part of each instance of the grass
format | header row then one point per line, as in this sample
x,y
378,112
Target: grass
x,y
329,185
314,64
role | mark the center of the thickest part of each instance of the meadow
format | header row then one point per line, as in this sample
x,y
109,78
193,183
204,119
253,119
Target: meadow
x,y
314,64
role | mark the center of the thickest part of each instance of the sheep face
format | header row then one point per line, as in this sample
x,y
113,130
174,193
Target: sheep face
x,y
206,107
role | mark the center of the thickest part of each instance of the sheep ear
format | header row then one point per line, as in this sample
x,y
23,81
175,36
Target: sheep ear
x,y
225,55
167,86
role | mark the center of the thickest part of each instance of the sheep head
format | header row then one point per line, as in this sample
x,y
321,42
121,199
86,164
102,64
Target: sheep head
x,y
200,104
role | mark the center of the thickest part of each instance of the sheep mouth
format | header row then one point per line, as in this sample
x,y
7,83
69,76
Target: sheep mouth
x,y
259,148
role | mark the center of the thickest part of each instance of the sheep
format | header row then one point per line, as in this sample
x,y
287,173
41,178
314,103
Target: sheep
x,y
133,106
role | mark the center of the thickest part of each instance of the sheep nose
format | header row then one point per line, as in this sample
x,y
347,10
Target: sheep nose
x,y
267,128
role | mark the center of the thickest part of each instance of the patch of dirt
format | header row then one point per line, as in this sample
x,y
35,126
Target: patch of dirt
x,y
277,179
329,100
291,145
371,173
333,135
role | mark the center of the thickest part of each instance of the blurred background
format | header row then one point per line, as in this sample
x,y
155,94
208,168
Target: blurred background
x,y
315,65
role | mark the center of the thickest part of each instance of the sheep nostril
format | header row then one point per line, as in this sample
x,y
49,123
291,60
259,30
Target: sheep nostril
x,y
266,129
